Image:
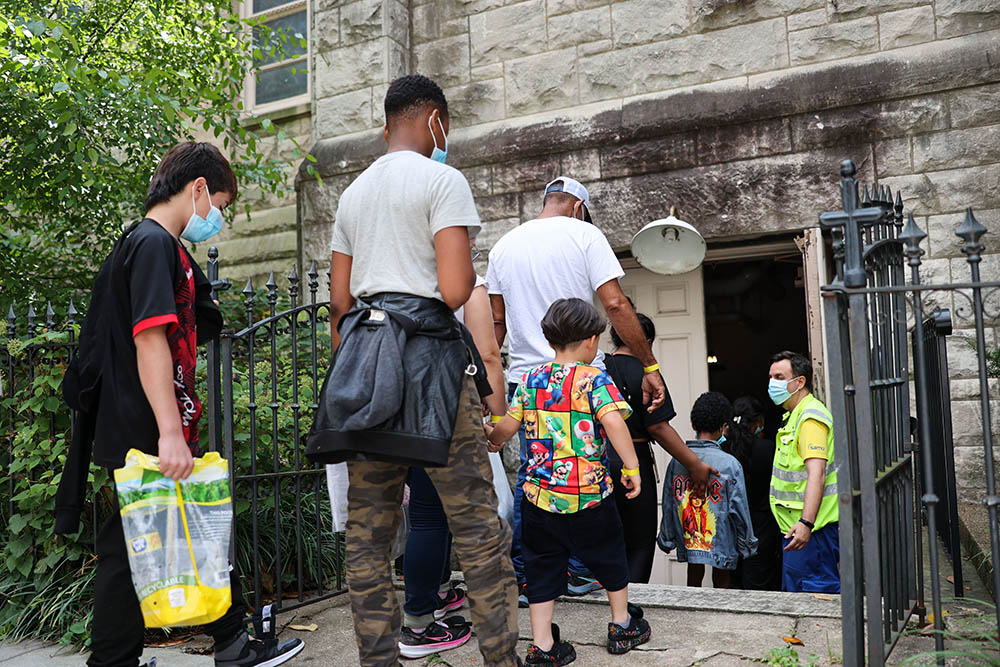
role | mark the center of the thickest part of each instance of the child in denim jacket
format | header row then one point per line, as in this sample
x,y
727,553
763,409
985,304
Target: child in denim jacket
x,y
714,529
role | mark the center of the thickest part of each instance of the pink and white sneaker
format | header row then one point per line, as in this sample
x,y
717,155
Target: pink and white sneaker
x,y
439,636
455,599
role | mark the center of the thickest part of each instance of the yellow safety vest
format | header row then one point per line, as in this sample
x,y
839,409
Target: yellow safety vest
x,y
789,476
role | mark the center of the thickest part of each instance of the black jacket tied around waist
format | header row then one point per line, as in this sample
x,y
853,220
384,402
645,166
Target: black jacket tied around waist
x,y
393,390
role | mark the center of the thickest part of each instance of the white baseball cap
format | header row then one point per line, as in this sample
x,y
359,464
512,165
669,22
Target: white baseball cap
x,y
574,188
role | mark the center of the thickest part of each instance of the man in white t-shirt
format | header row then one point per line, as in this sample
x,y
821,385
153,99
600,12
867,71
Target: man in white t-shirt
x,y
403,227
560,254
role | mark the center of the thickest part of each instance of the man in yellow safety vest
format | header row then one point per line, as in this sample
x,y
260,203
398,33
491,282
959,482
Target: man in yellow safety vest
x,y
804,480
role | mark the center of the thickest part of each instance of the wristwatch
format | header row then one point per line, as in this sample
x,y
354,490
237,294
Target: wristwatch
x,y
809,524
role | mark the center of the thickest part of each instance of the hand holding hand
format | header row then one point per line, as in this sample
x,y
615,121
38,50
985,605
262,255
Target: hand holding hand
x,y
175,457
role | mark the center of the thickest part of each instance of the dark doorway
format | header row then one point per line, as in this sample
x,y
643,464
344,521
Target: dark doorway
x,y
753,309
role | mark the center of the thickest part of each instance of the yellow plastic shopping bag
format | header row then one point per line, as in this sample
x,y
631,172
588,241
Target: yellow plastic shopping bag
x,y
177,538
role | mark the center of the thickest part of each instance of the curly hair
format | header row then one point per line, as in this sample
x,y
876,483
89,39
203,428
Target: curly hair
x,y
710,411
412,92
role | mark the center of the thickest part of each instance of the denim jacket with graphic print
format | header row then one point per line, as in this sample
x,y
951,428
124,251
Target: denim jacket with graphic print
x,y
715,530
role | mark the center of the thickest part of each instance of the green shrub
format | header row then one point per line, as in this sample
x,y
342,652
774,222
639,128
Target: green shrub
x,y
45,581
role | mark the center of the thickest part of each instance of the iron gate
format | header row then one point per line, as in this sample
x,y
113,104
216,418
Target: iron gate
x,y
885,469
263,383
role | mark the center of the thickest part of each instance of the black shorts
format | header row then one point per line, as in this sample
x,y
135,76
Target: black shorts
x,y
593,535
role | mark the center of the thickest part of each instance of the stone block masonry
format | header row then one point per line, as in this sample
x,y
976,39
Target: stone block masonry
x,y
737,111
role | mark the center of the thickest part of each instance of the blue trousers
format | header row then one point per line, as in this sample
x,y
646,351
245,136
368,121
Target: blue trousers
x,y
575,565
427,559
815,569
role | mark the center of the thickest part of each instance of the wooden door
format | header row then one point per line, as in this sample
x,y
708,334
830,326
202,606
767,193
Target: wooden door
x,y
676,304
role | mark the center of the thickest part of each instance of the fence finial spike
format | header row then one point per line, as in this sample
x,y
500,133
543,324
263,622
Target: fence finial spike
x,y
248,289
213,253
866,198
911,236
11,321
270,284
971,231
847,168
71,312
899,201
50,314
293,277
31,310
888,195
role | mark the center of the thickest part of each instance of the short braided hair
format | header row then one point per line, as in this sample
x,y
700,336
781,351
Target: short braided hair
x,y
412,92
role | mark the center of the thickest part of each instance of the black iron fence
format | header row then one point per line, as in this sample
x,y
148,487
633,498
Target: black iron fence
x,y
872,310
258,386
937,328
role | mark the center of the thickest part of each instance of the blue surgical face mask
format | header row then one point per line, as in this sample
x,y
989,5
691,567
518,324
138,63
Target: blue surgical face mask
x,y
437,154
778,390
201,229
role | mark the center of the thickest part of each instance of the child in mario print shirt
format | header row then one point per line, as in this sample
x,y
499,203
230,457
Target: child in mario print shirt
x,y
570,410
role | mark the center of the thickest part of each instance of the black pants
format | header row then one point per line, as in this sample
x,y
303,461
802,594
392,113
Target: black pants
x,y
638,514
762,572
117,629
593,535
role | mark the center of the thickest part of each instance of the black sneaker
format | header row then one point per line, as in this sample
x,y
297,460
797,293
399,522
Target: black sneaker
x,y
561,653
581,585
454,600
622,640
450,633
264,651
257,653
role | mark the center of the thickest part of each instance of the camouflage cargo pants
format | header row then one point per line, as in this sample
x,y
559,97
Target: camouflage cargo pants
x,y
480,539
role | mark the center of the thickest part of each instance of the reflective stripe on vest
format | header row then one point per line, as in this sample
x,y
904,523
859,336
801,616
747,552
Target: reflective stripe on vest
x,y
789,476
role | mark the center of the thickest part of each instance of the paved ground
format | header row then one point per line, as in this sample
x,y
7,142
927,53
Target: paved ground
x,y
708,627
690,627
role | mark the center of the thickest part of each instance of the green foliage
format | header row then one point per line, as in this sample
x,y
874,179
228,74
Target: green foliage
x,y
992,358
786,656
45,581
42,577
91,96
970,636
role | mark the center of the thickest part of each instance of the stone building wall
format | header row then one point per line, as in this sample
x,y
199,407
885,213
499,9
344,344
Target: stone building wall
x,y
737,111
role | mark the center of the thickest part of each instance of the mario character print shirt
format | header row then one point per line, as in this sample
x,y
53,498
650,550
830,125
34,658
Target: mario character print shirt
x,y
561,406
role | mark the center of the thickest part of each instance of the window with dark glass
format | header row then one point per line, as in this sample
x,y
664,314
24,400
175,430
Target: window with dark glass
x,y
281,60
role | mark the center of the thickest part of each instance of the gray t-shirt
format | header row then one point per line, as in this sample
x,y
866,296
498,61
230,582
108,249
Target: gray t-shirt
x,y
387,219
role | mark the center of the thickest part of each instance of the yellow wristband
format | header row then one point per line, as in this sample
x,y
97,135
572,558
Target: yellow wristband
x,y
651,369
630,472
496,419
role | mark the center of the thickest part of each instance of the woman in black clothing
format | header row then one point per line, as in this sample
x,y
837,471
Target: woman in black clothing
x,y
756,454
639,514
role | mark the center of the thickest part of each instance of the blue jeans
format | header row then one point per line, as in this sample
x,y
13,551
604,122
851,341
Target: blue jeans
x,y
576,567
815,569
427,560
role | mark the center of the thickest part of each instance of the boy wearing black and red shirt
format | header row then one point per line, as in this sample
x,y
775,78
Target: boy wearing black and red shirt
x,y
133,382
